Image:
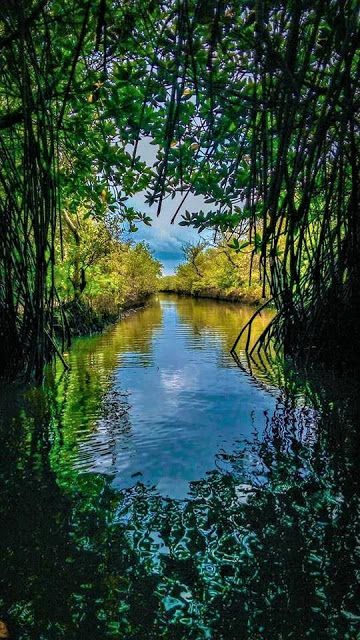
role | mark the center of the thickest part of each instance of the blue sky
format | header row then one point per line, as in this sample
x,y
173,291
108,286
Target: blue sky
x,y
165,239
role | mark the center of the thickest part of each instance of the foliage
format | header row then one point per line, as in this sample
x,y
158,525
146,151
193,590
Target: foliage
x,y
100,275
252,106
216,272
64,129
261,120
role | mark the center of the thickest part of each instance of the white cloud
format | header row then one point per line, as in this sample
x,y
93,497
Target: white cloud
x,y
163,236
179,380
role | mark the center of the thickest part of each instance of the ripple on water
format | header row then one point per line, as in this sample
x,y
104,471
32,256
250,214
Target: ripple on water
x,y
159,394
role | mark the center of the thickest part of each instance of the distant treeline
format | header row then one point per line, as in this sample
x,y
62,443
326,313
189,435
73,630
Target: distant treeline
x,y
215,272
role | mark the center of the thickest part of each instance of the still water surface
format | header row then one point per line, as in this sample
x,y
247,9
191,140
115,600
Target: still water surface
x,y
185,397
156,490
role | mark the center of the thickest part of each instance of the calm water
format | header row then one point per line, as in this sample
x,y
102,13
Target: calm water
x,y
171,396
156,490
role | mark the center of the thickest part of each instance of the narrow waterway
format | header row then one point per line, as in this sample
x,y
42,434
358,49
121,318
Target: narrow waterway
x,y
157,490
157,396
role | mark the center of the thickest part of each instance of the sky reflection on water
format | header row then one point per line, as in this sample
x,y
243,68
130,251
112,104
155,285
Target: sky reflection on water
x,y
185,397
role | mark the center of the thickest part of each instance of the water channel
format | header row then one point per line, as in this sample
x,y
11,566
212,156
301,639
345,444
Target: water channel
x,y
157,490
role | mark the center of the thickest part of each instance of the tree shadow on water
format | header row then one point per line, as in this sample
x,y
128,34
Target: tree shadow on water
x,y
265,546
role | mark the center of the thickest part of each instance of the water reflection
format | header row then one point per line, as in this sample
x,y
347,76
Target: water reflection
x,y
206,317
265,545
157,395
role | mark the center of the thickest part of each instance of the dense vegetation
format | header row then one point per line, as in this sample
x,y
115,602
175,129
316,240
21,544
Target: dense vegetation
x,y
262,120
63,167
215,272
250,105
99,274
253,106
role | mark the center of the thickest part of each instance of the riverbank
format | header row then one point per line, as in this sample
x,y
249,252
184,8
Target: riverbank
x,y
218,273
121,276
212,293
82,319
155,429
